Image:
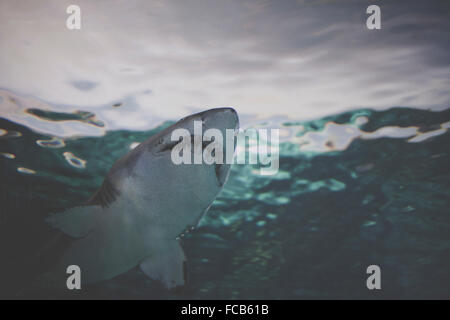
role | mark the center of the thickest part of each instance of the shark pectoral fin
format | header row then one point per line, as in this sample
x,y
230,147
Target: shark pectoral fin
x,y
76,222
167,265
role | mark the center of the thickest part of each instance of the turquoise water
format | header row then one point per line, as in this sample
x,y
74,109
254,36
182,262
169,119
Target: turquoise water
x,y
354,189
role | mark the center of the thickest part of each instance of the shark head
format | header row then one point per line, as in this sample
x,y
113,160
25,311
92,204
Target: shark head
x,y
196,130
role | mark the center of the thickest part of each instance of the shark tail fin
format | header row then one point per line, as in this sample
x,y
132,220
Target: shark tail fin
x,y
167,265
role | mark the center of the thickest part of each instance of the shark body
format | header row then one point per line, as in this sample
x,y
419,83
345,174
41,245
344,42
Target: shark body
x,y
145,202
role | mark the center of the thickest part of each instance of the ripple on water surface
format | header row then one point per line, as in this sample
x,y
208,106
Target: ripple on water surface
x,y
74,161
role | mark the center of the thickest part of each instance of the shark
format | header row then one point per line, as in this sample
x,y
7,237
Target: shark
x,y
144,204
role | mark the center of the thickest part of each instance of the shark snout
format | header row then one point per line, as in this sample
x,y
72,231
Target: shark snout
x,y
220,118
223,119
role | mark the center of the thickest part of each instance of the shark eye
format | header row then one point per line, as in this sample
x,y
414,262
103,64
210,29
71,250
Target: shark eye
x,y
167,146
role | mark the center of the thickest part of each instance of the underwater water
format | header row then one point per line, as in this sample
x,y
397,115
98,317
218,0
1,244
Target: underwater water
x,y
354,189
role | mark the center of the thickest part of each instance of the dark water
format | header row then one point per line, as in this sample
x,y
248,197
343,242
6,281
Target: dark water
x,y
308,232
